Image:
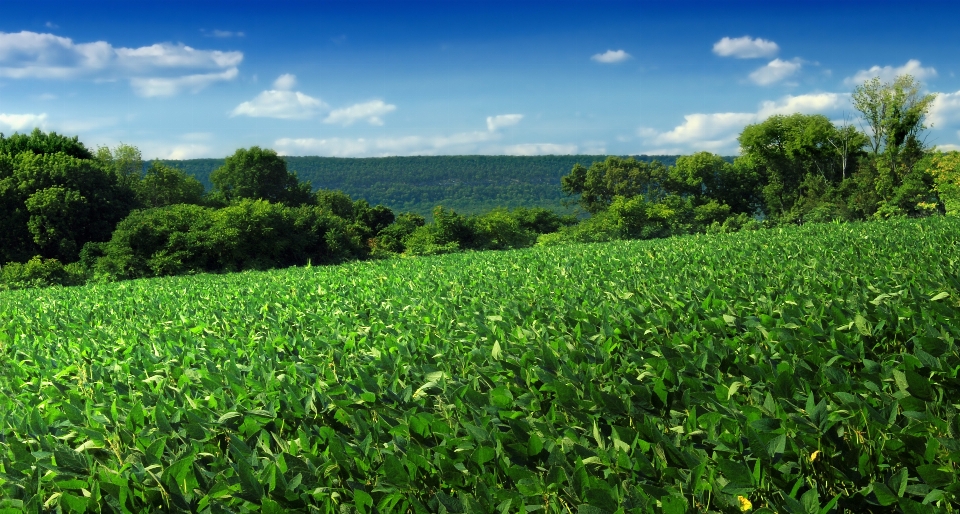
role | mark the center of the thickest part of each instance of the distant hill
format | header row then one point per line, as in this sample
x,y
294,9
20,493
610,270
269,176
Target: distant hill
x,y
469,184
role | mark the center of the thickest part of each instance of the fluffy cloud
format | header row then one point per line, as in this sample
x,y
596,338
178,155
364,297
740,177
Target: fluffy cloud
x,y
22,122
718,132
370,112
502,120
155,70
285,82
889,73
611,57
944,109
775,71
745,47
464,142
813,103
280,104
159,86
540,149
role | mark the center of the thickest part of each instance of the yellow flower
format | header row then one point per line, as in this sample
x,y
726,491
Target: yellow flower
x,y
813,456
745,504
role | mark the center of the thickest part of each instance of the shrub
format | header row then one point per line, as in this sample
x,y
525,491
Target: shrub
x,y
40,272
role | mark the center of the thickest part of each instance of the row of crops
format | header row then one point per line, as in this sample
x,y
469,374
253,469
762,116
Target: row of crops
x,y
806,370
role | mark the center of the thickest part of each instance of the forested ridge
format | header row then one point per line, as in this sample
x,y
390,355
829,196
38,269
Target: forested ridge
x,y
71,215
470,184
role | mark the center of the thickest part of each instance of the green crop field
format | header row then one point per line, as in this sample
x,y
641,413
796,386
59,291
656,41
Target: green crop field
x,y
808,369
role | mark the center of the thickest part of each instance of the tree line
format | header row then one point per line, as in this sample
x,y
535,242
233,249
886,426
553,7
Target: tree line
x,y
71,215
470,184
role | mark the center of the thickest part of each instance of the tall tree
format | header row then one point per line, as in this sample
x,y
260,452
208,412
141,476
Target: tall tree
x,y
165,185
895,113
615,176
788,151
53,204
41,143
258,173
124,161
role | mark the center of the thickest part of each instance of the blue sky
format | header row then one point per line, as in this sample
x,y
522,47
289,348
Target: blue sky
x,y
201,79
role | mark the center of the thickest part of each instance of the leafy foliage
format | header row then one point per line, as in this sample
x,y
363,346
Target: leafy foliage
x,y
52,204
258,174
180,239
945,170
704,373
470,184
40,143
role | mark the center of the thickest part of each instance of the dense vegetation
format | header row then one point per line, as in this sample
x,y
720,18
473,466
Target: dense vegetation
x,y
471,184
802,369
71,215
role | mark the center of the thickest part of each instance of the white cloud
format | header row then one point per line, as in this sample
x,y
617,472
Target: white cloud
x,y
51,25
718,132
459,143
706,131
223,33
745,47
161,67
165,55
775,71
280,104
944,109
812,103
187,151
540,149
370,111
22,122
889,73
502,120
157,86
611,57
285,82
646,132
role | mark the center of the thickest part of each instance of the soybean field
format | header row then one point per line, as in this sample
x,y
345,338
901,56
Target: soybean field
x,y
809,369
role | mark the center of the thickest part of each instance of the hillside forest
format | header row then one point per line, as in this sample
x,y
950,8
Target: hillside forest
x,y
71,215
468,184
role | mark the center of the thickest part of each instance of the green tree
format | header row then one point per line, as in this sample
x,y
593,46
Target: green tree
x,y
125,162
52,204
164,185
258,173
945,170
895,113
392,238
41,143
708,177
615,176
783,151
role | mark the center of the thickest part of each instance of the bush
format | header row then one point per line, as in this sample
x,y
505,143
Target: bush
x,y
40,272
392,238
252,234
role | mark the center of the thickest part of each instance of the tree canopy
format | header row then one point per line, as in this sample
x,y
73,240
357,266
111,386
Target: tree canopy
x,y
258,174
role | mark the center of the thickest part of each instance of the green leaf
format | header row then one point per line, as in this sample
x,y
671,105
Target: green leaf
x,y
884,495
776,446
269,506
863,326
394,471
501,397
363,500
935,476
811,501
673,505
73,503
918,385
